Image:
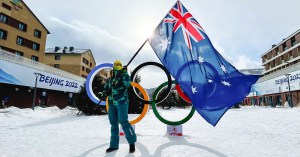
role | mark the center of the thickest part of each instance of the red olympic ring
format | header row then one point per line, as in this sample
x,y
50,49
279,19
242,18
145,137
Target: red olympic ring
x,y
181,94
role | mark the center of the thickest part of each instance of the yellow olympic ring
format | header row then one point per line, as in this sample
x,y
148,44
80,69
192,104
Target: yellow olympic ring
x,y
146,106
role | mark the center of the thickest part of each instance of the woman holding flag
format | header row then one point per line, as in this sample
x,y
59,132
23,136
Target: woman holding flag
x,y
116,90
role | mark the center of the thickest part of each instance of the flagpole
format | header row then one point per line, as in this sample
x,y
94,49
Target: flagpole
x,y
147,39
137,52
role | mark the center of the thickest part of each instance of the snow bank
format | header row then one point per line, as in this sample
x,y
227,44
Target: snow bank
x,y
247,132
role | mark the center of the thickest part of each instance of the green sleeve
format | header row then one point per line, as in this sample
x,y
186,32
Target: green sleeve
x,y
106,87
126,80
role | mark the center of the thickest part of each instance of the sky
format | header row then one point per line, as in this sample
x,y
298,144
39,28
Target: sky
x,y
241,30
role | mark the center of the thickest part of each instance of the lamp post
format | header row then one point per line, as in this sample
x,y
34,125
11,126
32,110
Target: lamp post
x,y
34,94
290,95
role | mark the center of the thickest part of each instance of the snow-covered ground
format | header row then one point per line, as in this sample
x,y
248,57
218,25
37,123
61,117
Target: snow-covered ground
x,y
245,132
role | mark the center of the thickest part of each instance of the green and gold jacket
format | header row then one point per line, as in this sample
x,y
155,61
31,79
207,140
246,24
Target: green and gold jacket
x,y
116,88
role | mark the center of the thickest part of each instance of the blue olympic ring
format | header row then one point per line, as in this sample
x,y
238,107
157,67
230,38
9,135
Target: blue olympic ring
x,y
89,82
203,65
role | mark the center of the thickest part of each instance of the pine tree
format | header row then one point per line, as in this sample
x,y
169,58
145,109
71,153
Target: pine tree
x,y
169,102
135,106
182,103
85,104
173,100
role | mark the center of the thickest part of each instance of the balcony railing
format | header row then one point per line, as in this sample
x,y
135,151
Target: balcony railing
x,y
280,72
266,61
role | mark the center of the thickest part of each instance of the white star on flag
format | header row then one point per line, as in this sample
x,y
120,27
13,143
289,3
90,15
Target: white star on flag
x,y
226,83
164,44
210,81
223,68
200,59
194,89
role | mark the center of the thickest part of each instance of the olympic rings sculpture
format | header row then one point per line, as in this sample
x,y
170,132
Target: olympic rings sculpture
x,y
145,98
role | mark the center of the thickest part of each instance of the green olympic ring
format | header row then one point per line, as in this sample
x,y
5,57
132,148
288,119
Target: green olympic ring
x,y
158,116
154,100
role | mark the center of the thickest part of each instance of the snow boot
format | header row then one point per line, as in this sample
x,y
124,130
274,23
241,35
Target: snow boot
x,y
111,150
131,148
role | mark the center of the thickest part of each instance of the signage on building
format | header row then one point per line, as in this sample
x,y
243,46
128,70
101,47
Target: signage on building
x,y
11,73
292,78
278,84
17,4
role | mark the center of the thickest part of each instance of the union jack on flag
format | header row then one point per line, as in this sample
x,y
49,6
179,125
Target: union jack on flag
x,y
184,20
212,84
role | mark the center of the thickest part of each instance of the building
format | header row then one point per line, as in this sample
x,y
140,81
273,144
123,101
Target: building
x,y
21,32
22,52
105,74
281,78
76,61
19,76
282,55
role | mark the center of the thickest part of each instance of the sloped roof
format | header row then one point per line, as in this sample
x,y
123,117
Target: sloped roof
x,y
67,51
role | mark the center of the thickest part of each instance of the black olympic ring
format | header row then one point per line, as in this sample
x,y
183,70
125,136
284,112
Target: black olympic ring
x,y
138,68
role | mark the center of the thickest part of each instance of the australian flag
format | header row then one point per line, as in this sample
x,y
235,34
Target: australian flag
x,y
212,84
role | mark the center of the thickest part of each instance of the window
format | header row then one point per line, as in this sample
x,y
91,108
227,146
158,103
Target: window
x,y
57,57
3,18
3,34
84,76
19,53
20,40
22,27
35,58
282,59
36,46
83,68
293,40
6,6
85,61
57,66
87,70
284,47
37,33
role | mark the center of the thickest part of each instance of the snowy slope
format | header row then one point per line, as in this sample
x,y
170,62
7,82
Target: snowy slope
x,y
247,132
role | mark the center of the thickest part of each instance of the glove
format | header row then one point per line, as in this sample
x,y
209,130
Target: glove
x,y
100,94
125,68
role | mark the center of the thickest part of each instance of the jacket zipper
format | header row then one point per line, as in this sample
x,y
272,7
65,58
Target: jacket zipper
x,y
112,95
